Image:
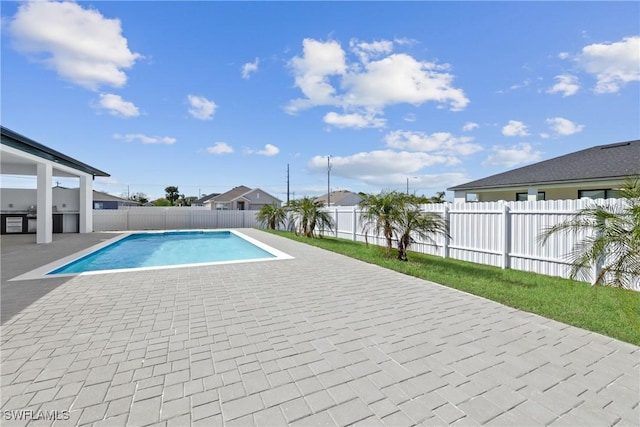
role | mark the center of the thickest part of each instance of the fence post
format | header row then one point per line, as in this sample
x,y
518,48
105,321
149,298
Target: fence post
x,y
355,223
336,212
506,230
597,265
447,238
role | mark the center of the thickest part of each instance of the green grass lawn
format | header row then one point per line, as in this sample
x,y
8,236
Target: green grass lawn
x,y
608,311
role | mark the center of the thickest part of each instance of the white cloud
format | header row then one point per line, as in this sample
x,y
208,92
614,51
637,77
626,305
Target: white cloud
x,y
379,162
388,168
220,148
613,64
81,45
129,137
440,142
312,71
201,107
365,51
469,126
367,86
410,117
563,126
118,106
517,86
268,150
250,67
566,84
353,120
400,78
512,156
515,128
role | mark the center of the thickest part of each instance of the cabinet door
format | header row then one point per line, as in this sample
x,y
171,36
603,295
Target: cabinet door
x,y
57,223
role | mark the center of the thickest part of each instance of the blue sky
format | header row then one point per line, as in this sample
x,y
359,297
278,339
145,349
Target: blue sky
x,y
210,95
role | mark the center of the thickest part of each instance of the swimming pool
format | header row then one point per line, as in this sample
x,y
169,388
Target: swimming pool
x,y
169,249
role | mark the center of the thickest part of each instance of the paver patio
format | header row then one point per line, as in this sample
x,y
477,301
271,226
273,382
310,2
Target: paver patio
x,y
321,339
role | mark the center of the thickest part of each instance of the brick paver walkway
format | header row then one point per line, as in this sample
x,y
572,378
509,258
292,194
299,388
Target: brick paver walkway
x,y
318,340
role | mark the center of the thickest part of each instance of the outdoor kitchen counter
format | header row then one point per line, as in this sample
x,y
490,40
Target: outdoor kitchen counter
x,y
16,222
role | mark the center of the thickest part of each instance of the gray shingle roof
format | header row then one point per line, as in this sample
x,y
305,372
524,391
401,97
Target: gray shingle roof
x,y
231,195
611,161
99,196
206,197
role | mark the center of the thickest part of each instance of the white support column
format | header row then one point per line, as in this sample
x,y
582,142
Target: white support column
x,y
86,204
460,197
532,194
44,232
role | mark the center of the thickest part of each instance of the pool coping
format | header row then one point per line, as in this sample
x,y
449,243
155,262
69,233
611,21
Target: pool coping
x,y
43,271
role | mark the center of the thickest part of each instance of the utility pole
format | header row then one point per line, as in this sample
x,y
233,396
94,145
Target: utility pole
x,y
328,180
287,183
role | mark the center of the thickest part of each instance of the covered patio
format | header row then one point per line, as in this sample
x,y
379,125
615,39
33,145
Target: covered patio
x,y
23,156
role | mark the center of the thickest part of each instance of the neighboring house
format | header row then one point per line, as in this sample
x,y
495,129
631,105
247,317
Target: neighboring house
x,y
202,200
594,173
242,198
340,198
107,201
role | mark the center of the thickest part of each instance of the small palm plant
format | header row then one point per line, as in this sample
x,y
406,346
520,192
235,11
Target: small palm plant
x,y
399,215
272,216
413,222
378,215
308,216
612,242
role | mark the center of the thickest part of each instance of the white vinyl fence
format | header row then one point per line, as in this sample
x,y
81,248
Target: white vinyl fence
x,y
501,234
170,218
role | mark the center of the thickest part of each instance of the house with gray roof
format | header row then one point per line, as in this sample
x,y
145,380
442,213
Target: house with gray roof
x,y
103,200
340,198
595,173
242,198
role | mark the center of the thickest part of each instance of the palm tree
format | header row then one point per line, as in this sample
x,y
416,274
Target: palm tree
x,y
612,242
411,222
309,216
379,213
272,216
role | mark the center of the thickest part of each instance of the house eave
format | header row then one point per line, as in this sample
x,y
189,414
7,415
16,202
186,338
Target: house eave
x,y
542,185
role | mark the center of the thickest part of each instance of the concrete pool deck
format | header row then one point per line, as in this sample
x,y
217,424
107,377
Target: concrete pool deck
x,y
321,339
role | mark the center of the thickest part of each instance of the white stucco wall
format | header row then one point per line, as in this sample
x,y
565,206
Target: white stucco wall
x,y
64,199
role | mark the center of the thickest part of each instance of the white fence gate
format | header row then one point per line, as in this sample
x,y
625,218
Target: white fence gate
x,y
501,234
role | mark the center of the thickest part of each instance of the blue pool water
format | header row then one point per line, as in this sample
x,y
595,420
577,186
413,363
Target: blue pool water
x,y
166,249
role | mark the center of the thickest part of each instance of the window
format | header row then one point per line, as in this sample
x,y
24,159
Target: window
x,y
221,206
523,197
98,205
599,194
